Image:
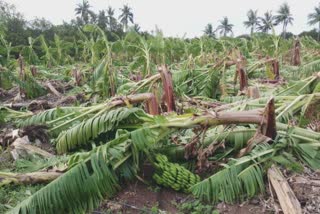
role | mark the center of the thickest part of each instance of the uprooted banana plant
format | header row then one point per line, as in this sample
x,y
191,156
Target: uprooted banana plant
x,y
122,136
192,114
117,139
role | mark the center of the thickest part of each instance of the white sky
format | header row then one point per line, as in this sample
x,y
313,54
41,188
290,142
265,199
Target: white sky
x,y
174,17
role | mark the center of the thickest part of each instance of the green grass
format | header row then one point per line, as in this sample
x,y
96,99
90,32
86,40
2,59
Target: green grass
x,y
196,207
11,195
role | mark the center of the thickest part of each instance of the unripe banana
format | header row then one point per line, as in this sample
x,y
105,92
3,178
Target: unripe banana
x,y
173,175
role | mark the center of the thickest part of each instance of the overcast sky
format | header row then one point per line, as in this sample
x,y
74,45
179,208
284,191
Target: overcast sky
x,y
174,17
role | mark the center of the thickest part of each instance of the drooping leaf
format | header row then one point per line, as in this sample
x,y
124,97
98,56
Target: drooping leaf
x,y
241,177
84,132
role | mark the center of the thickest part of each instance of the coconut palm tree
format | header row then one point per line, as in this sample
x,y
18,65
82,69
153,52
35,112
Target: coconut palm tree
x,y
126,16
208,31
136,28
314,18
285,17
84,11
102,19
252,21
112,21
267,22
93,17
225,27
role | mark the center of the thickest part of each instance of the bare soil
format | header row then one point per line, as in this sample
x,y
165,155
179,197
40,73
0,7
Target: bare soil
x,y
138,197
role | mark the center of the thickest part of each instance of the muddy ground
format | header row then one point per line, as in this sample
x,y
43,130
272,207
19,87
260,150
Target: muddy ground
x,y
138,197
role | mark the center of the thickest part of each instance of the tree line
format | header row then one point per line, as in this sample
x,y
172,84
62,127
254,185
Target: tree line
x,y
267,22
15,29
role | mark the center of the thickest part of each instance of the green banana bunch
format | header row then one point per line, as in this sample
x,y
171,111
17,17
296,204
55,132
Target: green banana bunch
x,y
173,175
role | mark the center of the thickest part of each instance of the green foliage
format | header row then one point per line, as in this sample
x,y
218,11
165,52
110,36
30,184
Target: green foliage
x,y
103,79
10,196
47,116
31,87
82,133
287,160
93,176
308,153
236,137
197,82
196,207
112,143
8,115
317,88
36,163
96,179
241,177
173,175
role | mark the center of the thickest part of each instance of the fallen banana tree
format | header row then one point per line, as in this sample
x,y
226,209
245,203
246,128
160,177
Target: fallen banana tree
x,y
125,136
215,138
118,140
136,134
27,178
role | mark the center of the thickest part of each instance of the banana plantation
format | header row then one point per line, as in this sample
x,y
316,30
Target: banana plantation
x,y
221,122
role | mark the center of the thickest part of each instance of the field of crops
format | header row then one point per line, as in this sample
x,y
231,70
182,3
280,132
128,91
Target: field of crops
x,y
219,121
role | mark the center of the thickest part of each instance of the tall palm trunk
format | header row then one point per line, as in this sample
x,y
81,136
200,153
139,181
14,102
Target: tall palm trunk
x,y
284,30
125,27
